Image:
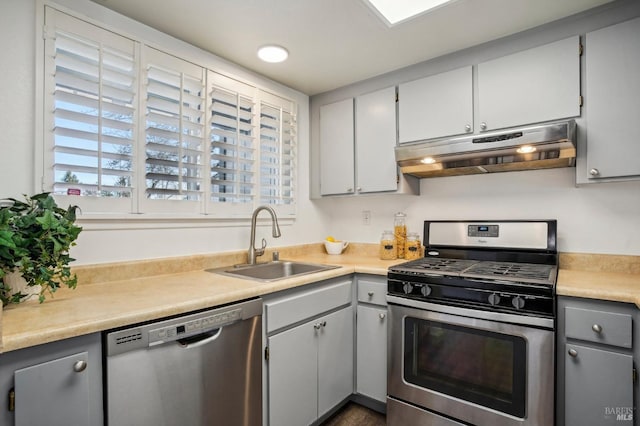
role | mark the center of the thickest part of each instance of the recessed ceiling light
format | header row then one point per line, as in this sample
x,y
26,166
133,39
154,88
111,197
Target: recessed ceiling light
x,y
273,53
396,11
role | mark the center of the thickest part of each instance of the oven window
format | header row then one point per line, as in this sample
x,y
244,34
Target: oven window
x,y
479,366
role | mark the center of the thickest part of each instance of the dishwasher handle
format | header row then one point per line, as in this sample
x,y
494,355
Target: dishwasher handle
x,y
200,339
184,327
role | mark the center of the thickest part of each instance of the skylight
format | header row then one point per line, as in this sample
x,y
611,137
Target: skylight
x,y
396,11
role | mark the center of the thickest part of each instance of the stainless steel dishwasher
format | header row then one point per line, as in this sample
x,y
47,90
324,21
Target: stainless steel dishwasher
x,y
198,369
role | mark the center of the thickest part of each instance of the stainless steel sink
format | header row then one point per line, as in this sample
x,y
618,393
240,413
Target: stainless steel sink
x,y
272,271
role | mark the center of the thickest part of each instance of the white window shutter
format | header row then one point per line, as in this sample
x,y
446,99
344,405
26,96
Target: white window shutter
x,y
277,152
232,147
90,80
174,134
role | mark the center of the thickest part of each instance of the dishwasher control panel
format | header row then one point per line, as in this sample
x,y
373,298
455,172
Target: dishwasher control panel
x,y
145,335
193,326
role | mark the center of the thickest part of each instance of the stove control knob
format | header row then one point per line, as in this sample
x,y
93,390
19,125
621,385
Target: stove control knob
x,y
407,287
425,290
494,299
517,302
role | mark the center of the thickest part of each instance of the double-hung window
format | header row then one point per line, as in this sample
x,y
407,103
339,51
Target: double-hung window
x,y
130,128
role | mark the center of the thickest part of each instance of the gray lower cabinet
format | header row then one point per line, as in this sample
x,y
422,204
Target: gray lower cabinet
x,y
310,338
57,384
371,338
596,359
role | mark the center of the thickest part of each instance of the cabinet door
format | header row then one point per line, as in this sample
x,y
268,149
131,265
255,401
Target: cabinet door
x,y
598,386
335,359
54,393
612,93
371,348
436,106
337,165
293,376
376,168
532,86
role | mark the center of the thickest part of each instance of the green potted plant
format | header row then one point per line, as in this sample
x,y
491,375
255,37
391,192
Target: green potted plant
x,y
35,238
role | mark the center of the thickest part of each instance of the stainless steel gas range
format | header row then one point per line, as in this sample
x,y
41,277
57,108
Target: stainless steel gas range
x,y
472,326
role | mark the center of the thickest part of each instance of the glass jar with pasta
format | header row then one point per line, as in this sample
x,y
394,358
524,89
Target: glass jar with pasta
x,y
400,232
388,247
413,247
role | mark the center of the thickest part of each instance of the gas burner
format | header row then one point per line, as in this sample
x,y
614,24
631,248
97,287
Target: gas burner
x,y
521,272
435,265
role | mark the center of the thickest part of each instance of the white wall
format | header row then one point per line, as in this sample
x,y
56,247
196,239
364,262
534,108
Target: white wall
x,y
603,218
17,102
100,243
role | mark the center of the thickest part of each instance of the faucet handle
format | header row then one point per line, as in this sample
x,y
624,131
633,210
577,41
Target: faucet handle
x,y
260,251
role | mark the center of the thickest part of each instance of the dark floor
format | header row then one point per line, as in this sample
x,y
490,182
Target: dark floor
x,y
354,414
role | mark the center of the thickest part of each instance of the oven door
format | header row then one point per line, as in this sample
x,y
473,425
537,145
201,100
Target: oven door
x,y
471,365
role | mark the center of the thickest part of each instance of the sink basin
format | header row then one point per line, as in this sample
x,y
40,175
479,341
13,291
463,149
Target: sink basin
x,y
272,271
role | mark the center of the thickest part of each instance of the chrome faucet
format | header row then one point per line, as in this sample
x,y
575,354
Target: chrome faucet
x,y
254,252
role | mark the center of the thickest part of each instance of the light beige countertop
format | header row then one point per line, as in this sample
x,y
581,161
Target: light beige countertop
x,y
600,276
97,305
110,296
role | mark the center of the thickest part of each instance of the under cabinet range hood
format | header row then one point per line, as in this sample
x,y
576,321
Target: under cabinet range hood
x,y
542,146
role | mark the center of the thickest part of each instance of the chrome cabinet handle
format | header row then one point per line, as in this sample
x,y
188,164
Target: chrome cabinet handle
x,y
597,328
467,128
370,294
358,189
594,172
483,126
323,323
79,366
381,315
349,189
573,353
317,326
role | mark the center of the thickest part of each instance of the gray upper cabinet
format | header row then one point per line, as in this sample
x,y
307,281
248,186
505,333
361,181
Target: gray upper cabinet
x,y
436,106
357,141
337,164
612,101
532,86
376,168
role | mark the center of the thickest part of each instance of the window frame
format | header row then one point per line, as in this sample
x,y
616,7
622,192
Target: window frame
x,y
98,209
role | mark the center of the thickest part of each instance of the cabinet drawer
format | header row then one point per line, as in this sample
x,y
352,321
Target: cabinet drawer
x,y
372,292
294,308
599,326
